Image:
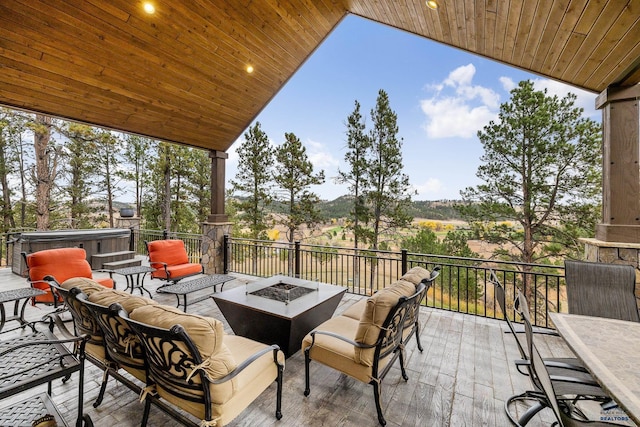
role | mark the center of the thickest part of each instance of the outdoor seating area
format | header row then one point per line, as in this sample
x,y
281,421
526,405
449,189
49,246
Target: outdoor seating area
x,y
465,372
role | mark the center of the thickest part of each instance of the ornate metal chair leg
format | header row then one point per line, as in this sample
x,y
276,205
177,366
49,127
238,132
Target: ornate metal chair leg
x,y
145,414
418,338
279,393
307,360
87,422
103,387
376,395
402,370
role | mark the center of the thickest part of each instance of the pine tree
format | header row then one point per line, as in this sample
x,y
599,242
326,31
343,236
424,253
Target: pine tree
x,y
294,175
358,146
388,196
252,186
541,177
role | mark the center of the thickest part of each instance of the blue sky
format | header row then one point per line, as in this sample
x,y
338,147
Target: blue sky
x,y
442,97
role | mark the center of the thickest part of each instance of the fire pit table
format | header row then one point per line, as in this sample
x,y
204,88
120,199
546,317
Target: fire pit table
x,y
279,310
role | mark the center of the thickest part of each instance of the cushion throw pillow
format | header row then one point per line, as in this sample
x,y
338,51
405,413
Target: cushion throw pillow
x,y
206,333
375,313
87,286
129,302
416,275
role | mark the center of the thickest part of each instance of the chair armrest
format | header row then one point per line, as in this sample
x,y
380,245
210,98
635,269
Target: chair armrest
x,y
51,281
247,362
340,337
573,380
57,321
551,364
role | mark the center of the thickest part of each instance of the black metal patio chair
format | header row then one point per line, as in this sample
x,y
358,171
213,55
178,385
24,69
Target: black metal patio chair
x,y
566,411
602,290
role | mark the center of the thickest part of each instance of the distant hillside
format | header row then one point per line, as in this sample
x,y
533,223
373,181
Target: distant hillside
x,y
438,209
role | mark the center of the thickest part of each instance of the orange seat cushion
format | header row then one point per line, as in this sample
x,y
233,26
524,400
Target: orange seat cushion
x,y
174,255
62,264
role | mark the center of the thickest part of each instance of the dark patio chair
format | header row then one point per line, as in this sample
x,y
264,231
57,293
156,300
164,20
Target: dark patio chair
x,y
558,366
570,386
353,348
602,290
195,366
566,411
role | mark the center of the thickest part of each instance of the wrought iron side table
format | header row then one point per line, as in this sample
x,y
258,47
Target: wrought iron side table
x,y
27,361
134,279
17,295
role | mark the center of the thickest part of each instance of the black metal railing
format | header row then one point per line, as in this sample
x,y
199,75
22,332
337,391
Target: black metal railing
x,y
463,285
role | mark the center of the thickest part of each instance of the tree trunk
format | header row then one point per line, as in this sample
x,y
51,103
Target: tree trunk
x,y
166,207
23,186
7,214
45,170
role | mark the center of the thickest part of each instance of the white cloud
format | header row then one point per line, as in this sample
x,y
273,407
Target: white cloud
x,y
453,117
461,76
320,155
464,113
430,187
507,83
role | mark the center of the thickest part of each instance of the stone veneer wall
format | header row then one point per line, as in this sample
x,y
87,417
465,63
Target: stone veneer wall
x,y
614,253
213,246
133,222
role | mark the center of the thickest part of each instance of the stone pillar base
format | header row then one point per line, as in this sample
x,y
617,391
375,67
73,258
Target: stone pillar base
x,y
133,222
614,253
212,246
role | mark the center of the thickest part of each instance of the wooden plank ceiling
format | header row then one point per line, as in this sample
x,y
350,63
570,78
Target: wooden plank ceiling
x,y
180,74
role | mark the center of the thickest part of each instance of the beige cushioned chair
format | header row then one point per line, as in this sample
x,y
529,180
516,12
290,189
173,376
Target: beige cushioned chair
x,y
194,365
365,340
76,292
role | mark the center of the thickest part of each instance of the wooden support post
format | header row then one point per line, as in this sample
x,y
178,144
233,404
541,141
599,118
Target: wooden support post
x,y
621,165
218,159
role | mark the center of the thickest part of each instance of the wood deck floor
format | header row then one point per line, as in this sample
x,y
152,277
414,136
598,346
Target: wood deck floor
x,y
462,378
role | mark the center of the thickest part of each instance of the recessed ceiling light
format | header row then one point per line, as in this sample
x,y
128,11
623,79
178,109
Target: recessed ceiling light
x,y
432,4
249,69
149,8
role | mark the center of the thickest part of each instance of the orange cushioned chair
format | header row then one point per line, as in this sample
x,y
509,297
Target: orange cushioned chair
x,y
61,264
170,259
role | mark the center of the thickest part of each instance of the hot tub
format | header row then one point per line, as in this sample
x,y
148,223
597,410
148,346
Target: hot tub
x,y
94,241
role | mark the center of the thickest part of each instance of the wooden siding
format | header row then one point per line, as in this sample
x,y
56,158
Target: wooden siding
x,y
179,74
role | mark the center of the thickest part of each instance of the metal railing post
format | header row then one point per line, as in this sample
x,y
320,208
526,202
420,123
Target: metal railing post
x,y
404,267
225,253
296,260
132,240
165,234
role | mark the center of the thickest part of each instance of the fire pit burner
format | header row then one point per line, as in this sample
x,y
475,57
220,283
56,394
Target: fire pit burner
x,y
283,292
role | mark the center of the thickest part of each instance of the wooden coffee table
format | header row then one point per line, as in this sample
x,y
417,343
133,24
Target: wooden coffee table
x,y
284,323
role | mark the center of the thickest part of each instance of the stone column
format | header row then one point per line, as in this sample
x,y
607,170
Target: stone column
x,y
130,223
614,253
212,246
217,224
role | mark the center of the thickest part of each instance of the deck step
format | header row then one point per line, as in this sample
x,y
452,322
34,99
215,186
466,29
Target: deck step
x,y
113,265
98,261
